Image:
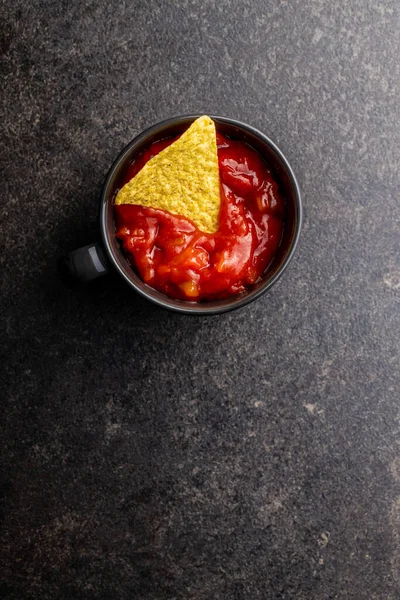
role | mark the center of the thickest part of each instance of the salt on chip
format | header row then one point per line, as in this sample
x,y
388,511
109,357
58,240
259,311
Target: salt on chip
x,y
182,179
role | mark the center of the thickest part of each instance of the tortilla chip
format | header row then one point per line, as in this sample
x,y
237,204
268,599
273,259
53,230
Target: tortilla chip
x,y
182,179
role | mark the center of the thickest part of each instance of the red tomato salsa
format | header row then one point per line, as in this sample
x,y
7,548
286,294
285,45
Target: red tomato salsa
x,y
173,256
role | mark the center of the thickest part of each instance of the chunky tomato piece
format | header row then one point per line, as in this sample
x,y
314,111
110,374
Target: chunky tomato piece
x,y
173,256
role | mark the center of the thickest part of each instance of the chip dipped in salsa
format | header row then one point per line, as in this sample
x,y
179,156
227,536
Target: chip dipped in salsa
x,y
172,254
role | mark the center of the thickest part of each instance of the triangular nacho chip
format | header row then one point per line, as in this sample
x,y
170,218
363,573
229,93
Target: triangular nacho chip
x,y
182,179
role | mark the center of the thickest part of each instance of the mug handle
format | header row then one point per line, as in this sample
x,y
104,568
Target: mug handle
x,y
83,265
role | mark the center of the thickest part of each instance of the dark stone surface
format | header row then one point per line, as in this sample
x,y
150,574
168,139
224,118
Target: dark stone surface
x,y
248,456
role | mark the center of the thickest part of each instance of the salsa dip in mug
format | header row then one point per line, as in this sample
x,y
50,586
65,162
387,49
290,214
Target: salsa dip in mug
x,y
200,215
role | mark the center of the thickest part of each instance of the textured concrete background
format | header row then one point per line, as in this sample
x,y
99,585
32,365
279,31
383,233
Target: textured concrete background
x,y
248,456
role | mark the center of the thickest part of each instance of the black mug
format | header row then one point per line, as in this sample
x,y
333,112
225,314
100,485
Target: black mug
x,y
94,260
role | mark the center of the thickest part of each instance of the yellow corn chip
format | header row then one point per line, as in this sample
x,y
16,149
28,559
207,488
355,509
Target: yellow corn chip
x,y
182,179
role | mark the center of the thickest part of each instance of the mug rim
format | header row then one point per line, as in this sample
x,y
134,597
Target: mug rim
x,y
182,306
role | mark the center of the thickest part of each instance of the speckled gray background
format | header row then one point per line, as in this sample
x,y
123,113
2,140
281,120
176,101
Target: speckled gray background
x,y
249,456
